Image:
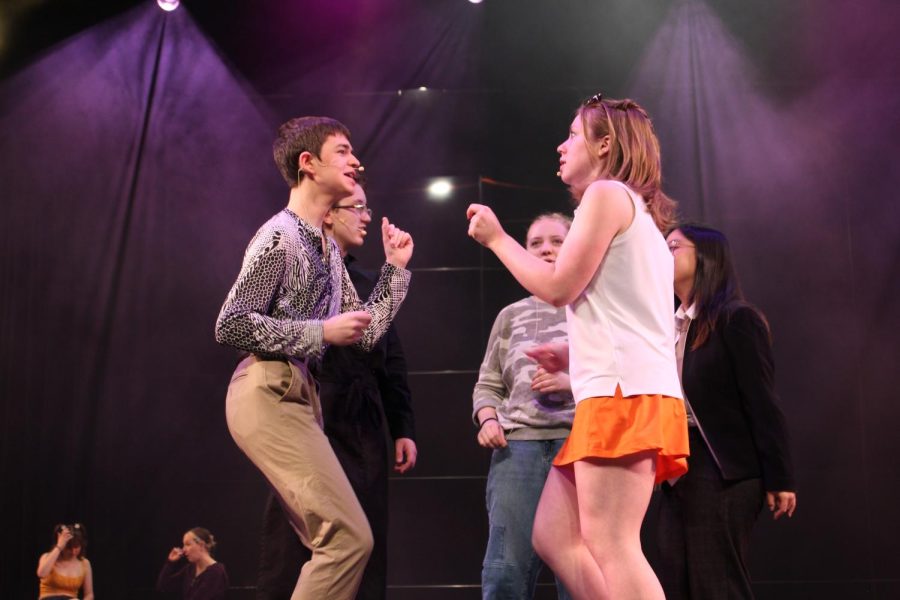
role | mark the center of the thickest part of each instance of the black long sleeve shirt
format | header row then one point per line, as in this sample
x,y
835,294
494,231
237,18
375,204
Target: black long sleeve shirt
x,y
348,371
179,576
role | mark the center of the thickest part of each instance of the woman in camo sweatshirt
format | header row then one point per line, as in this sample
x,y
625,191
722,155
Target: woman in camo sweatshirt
x,y
524,414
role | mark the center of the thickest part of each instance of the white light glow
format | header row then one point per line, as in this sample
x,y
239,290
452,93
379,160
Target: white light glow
x,y
168,5
439,189
475,1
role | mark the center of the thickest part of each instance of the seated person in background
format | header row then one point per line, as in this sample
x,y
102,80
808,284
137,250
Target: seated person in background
x,y
64,570
200,577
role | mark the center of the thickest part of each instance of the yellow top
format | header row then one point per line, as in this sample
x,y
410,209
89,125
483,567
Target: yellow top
x,y
56,584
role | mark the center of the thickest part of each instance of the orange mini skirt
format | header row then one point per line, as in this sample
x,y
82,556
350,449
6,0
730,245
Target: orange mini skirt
x,y
607,427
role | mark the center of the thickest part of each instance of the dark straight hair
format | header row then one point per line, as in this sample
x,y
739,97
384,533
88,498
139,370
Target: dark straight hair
x,y
716,292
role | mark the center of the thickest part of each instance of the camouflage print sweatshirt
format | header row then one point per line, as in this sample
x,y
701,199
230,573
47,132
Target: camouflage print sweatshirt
x,y
504,380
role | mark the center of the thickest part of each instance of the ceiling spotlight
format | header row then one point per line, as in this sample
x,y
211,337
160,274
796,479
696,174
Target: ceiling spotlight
x,y
475,1
168,5
440,189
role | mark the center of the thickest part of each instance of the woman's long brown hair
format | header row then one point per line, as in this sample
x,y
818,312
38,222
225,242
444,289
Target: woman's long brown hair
x,y
634,156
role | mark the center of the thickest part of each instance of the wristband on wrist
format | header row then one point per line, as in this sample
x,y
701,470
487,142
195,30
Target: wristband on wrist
x,y
480,425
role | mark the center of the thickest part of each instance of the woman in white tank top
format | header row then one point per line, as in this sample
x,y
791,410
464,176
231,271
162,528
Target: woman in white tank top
x,y
614,275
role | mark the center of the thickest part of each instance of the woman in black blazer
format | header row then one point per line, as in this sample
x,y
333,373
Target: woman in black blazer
x,y
740,458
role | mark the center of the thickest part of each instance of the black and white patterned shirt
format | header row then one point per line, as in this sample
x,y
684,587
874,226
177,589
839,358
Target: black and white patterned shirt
x,y
288,286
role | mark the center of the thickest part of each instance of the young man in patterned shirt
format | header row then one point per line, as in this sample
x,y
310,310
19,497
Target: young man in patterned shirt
x,y
293,298
360,393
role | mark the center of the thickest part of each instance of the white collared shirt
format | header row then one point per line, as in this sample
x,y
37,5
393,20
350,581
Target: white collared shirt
x,y
680,343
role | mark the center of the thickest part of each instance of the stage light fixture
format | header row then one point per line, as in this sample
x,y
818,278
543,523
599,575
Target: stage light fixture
x,y
168,5
440,189
475,1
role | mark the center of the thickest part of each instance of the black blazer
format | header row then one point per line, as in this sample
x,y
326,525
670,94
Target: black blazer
x,y
729,382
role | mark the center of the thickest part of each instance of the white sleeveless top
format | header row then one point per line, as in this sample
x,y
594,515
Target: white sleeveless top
x,y
621,330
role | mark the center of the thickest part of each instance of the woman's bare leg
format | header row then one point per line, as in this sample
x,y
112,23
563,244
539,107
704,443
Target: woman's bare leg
x,y
613,495
557,538
588,523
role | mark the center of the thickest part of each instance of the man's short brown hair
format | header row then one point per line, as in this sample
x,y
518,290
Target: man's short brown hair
x,y
303,134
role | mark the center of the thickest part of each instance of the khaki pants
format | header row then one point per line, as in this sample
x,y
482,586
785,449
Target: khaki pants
x,y
274,416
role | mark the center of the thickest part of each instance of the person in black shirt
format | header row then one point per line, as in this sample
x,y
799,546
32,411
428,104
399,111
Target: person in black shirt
x,y
198,576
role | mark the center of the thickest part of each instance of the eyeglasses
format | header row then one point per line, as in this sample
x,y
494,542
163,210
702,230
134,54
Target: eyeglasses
x,y
623,105
360,208
595,99
674,245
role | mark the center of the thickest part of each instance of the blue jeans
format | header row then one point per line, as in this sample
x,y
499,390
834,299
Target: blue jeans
x,y
515,482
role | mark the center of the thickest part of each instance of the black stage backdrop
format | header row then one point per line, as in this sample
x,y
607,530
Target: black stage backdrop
x,y
135,165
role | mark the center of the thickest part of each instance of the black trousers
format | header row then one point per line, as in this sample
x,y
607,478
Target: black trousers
x,y
355,426
703,534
